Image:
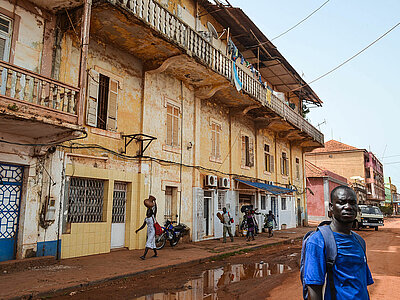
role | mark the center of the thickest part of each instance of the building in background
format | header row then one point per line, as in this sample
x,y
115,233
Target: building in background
x,y
391,195
351,162
106,102
320,183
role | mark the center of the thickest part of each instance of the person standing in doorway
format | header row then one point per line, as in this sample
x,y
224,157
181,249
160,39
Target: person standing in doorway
x,y
227,221
151,231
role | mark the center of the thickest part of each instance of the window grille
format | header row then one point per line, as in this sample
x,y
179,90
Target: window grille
x,y
85,200
221,200
168,204
283,206
263,206
119,202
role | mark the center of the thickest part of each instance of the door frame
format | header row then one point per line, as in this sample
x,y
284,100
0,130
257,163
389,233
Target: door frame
x,y
14,238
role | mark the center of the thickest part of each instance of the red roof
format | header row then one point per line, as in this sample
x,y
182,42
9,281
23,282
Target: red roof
x,y
332,145
315,171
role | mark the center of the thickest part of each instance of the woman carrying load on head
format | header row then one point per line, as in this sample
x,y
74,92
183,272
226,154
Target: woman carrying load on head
x,y
149,221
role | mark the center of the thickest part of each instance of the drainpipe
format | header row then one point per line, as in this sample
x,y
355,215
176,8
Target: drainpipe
x,y
85,28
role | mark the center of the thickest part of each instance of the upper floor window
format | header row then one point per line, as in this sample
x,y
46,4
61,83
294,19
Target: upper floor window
x,y
297,168
172,125
5,37
268,159
102,101
215,140
284,164
247,151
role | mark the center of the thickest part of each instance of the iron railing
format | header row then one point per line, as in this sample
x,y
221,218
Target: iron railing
x,y
161,20
22,84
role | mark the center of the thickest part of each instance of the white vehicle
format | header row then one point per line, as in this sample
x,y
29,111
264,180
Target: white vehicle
x,y
368,216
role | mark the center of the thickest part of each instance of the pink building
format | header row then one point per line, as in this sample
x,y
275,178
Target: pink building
x,y
320,183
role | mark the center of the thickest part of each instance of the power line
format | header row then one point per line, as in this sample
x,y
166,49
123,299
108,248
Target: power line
x,y
349,59
293,27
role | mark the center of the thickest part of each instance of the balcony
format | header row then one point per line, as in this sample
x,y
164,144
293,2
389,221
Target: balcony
x,y
36,109
165,43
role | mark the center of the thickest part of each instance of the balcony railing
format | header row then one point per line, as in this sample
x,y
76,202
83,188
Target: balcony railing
x,y
160,19
27,86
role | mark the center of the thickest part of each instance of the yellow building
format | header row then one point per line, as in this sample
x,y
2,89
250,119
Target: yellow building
x,y
183,100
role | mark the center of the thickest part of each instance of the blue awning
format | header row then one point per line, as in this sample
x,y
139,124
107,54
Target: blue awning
x,y
274,189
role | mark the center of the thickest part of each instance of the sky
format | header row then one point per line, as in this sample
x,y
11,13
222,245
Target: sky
x,y
361,103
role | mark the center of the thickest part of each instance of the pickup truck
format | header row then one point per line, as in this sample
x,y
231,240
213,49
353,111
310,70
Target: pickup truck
x,y
368,216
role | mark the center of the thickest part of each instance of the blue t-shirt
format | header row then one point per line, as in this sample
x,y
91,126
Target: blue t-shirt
x,y
351,274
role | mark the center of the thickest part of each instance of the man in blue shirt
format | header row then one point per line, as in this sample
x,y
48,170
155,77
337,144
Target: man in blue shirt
x,y
351,274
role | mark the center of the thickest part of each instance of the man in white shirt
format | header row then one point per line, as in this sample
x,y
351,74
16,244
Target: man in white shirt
x,y
227,220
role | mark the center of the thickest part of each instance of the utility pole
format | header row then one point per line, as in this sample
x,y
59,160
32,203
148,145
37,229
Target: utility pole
x,y
391,194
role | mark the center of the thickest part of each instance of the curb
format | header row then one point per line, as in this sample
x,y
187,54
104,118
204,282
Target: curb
x,y
51,293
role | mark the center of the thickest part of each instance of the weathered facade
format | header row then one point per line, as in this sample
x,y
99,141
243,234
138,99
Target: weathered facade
x,y
355,165
161,108
320,183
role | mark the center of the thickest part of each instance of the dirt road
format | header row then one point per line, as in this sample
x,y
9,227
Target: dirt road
x,y
269,273
383,249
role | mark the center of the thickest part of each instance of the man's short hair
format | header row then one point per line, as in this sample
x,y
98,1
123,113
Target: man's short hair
x,y
341,187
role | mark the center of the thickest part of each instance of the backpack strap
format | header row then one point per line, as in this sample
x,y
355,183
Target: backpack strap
x,y
361,241
331,253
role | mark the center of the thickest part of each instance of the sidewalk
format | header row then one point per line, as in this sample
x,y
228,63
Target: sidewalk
x,y
38,279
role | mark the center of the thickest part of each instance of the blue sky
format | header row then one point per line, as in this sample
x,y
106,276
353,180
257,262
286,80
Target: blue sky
x,y
361,102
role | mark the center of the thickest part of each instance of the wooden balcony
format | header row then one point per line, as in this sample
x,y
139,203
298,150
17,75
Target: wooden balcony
x,y
164,42
36,108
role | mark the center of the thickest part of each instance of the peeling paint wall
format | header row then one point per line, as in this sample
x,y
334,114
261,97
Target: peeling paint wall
x,y
29,43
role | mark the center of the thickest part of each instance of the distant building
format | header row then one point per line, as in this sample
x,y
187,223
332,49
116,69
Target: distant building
x,y
320,183
351,162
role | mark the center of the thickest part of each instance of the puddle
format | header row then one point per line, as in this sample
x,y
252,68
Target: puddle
x,y
207,285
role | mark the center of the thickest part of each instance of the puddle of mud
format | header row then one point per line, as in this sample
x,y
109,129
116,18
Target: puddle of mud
x,y
207,285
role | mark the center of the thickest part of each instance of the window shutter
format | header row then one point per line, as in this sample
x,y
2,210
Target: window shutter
x,y
169,125
176,128
282,169
251,152
112,105
217,145
243,150
272,163
213,139
92,98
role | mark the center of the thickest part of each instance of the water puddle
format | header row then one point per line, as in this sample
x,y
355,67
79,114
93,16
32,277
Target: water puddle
x,y
207,285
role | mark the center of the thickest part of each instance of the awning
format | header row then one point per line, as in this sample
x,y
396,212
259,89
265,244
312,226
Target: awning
x,y
274,189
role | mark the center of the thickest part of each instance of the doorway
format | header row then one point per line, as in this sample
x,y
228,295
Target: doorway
x,y
274,208
207,212
118,216
10,197
298,213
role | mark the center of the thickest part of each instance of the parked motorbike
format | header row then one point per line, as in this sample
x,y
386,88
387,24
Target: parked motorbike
x,y
171,233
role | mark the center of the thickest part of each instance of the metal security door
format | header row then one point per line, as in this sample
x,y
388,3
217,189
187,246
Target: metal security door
x,y
10,197
118,216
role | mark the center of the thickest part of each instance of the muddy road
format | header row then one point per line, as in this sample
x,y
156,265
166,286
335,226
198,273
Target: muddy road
x,y
267,273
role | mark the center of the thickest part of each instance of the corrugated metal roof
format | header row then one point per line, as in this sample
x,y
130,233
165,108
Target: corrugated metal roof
x,y
248,38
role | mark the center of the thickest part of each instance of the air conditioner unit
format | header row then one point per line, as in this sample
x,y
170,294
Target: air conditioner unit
x,y
224,183
211,181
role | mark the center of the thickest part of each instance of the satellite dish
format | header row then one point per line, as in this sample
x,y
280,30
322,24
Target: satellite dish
x,y
212,30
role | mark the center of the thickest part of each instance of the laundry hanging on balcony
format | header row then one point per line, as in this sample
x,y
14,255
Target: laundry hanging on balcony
x,y
268,95
236,80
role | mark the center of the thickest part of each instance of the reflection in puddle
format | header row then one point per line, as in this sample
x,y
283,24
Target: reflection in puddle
x,y
207,285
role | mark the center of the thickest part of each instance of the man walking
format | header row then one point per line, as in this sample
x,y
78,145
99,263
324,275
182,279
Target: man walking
x,y
350,273
227,220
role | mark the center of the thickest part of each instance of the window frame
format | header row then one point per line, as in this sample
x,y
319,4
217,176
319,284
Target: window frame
x,y
283,203
172,140
216,133
284,164
247,151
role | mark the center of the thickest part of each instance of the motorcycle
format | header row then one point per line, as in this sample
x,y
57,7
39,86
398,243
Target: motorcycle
x,y
171,233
